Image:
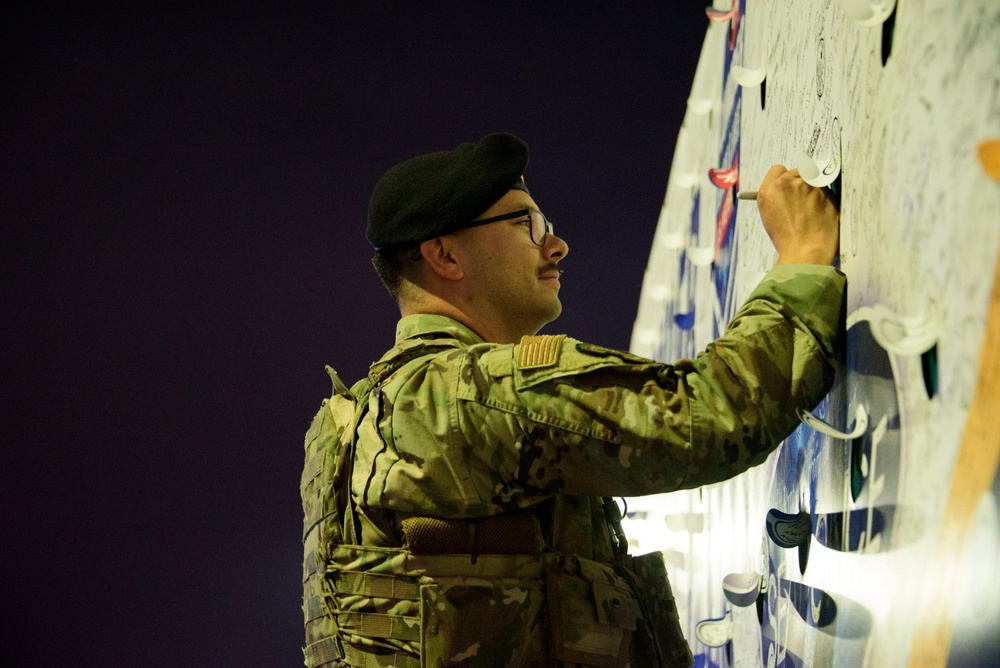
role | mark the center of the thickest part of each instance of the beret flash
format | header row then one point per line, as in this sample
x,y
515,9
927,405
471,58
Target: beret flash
x,y
437,193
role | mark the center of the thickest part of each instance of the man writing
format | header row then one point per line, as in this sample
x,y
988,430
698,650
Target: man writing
x,y
457,500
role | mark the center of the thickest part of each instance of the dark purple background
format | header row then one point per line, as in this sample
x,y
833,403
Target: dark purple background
x,y
182,201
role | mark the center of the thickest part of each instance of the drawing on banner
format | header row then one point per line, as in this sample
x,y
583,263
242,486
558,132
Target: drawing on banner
x,y
895,109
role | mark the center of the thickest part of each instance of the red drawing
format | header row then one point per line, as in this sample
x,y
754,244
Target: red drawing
x,y
726,178
733,15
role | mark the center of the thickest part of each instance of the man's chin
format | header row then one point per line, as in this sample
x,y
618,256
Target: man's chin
x,y
554,312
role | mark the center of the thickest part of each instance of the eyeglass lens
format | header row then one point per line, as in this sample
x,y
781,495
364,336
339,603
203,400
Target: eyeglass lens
x,y
540,228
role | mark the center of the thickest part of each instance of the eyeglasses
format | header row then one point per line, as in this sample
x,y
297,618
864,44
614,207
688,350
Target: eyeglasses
x,y
538,227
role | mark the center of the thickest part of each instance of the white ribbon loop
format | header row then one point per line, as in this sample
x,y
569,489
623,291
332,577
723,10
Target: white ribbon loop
x,y
860,424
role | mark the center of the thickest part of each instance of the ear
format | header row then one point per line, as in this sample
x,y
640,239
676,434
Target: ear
x,y
440,256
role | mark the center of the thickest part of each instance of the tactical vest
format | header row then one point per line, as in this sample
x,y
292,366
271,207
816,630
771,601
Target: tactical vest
x,y
477,593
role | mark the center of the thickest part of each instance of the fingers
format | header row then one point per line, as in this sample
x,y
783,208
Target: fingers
x,y
778,173
784,185
799,219
773,175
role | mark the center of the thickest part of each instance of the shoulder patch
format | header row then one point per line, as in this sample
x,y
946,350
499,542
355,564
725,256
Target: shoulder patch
x,y
536,352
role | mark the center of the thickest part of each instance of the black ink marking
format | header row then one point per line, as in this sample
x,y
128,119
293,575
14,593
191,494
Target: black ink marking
x,y
820,68
888,32
929,366
857,476
803,556
813,141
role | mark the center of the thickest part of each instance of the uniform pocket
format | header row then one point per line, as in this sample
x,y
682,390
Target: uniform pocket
x,y
592,612
472,622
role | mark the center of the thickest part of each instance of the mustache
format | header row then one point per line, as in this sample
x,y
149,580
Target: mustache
x,y
552,266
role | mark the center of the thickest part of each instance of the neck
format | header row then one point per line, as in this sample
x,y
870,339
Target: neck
x,y
489,326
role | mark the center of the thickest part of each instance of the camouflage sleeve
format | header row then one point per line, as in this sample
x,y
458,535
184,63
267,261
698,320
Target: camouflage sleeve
x,y
556,415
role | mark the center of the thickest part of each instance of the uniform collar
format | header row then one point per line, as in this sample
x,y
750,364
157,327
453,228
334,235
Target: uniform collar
x,y
424,325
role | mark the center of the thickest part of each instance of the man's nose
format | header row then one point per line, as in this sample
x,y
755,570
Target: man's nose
x,y
555,247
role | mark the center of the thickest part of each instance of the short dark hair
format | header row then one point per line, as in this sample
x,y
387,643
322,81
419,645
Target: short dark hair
x,y
391,264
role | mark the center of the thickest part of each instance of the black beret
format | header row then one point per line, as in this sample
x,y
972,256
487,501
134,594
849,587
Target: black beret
x,y
437,193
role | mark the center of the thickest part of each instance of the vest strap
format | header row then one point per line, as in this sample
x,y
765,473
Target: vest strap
x,y
355,657
374,625
322,652
376,585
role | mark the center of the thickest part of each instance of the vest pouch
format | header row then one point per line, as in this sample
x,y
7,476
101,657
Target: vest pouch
x,y
654,587
476,622
592,612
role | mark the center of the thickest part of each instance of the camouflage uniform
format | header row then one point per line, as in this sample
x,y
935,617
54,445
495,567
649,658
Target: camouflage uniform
x,y
478,533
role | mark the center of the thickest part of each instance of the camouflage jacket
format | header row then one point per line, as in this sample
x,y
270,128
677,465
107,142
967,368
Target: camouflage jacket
x,y
456,430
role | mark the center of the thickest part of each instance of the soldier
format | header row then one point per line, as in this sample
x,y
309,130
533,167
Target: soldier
x,y
458,499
